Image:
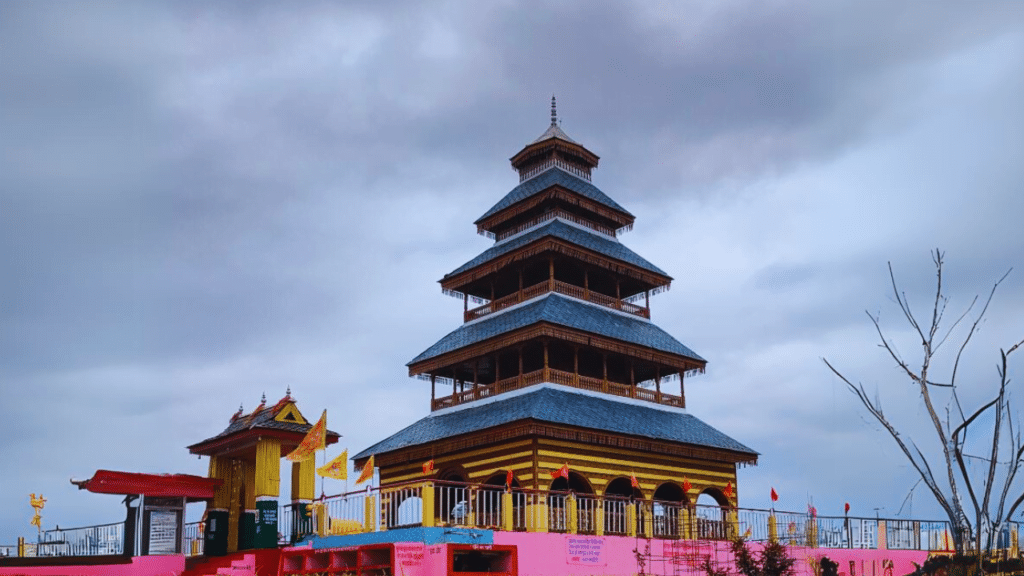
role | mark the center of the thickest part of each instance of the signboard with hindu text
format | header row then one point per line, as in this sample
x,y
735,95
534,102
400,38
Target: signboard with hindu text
x,y
585,550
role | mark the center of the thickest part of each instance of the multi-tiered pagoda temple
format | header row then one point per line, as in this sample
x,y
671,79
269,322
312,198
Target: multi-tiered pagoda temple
x,y
557,365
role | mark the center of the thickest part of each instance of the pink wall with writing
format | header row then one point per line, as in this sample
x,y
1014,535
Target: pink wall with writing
x,y
140,566
546,554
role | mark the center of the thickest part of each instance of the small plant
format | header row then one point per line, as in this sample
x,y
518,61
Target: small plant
x,y
772,560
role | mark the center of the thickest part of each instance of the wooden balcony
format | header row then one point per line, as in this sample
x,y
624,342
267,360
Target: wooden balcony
x,y
557,377
560,287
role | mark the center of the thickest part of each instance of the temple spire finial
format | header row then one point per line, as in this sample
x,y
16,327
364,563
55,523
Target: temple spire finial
x,y
263,399
554,114
288,392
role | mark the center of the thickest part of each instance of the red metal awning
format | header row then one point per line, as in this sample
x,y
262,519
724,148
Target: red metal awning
x,y
171,485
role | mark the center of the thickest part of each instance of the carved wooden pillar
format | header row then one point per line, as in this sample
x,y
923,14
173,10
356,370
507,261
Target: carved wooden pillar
x,y
520,366
576,364
476,377
604,369
657,383
551,273
586,284
547,371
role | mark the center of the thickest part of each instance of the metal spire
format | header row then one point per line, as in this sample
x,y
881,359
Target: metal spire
x,y
263,399
288,392
554,114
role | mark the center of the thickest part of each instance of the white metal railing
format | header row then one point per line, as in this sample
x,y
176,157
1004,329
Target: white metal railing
x,y
402,506
99,540
194,538
557,512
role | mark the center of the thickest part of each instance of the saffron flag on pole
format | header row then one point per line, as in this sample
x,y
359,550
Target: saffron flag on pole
x,y
775,495
337,468
367,473
508,479
728,490
633,481
316,439
562,472
428,466
847,510
686,484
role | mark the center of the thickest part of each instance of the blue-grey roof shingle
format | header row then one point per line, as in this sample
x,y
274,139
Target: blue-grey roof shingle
x,y
569,233
563,311
559,406
548,179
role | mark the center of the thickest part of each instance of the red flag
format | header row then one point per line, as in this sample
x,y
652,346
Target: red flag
x,y
728,490
633,481
847,508
508,479
428,467
562,472
775,495
686,485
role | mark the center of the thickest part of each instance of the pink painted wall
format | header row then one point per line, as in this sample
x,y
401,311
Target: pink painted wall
x,y
569,555
140,566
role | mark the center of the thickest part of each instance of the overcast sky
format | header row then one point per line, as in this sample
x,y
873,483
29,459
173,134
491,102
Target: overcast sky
x,y
200,203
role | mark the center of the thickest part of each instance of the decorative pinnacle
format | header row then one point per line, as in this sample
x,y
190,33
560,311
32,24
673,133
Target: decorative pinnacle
x,y
288,392
263,399
554,114
239,407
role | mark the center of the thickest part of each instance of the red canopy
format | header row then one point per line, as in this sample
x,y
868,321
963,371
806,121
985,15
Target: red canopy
x,y
172,485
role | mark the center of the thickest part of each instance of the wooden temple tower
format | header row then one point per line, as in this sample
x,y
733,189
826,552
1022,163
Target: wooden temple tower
x,y
557,362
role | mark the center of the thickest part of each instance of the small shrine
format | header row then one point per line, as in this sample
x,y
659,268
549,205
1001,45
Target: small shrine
x,y
557,379
246,458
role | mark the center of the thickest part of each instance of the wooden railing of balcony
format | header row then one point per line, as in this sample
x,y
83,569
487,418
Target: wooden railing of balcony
x,y
561,288
557,377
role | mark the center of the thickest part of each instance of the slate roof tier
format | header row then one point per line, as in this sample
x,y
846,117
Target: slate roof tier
x,y
553,309
558,184
610,254
262,418
554,404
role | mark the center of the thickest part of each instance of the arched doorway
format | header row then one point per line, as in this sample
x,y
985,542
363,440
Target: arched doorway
x,y
489,501
558,504
669,510
712,515
619,495
451,497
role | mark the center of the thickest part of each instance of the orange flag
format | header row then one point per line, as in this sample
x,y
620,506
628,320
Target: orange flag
x,y
316,439
428,466
686,485
562,472
633,481
367,473
728,490
508,479
775,495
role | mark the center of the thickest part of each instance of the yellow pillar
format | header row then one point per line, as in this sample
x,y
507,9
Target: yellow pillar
x,y
507,510
812,532
268,468
631,520
773,530
470,501
734,523
320,518
237,472
21,546
537,515
304,480
648,516
370,514
1014,550
599,514
427,496
573,525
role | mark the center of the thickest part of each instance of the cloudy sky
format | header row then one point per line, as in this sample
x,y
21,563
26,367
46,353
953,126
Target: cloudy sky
x,y
200,203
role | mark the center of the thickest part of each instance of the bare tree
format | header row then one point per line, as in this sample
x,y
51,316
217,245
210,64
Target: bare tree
x,y
974,498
